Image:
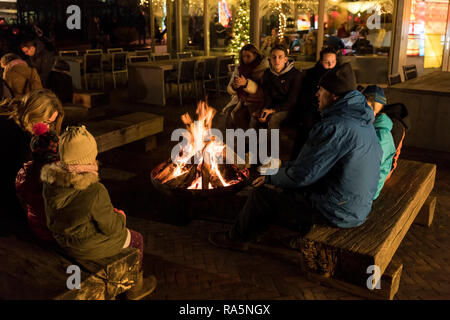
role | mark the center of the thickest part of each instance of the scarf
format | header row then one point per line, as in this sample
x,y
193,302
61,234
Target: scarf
x,y
246,70
80,168
13,63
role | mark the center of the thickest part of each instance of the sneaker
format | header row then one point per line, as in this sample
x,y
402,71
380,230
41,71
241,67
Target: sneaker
x,y
223,240
143,288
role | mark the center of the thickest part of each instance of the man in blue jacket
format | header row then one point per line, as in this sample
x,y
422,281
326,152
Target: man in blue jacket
x,y
334,178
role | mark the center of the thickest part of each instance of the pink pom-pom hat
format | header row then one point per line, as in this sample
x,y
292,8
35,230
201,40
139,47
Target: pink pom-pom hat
x,y
40,128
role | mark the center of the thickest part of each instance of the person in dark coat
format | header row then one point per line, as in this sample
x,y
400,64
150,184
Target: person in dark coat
x,y
60,81
332,181
281,86
44,149
17,118
38,57
303,118
94,32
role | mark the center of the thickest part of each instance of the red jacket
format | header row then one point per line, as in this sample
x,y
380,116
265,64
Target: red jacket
x,y
29,191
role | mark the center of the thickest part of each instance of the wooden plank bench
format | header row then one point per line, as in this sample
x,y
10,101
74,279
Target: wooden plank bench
x,y
342,256
28,271
122,130
91,99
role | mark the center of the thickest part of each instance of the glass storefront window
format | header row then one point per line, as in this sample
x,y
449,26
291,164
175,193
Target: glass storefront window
x,y
427,30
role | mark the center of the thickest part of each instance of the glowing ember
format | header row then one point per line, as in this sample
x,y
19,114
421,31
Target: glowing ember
x,y
198,165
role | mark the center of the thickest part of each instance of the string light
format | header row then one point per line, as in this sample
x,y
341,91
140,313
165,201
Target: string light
x,y
241,27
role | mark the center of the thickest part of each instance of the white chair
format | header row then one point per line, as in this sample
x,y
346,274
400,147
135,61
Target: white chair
x,y
134,59
161,57
68,53
114,50
89,51
118,65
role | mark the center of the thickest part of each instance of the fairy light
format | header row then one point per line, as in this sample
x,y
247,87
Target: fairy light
x,y
241,27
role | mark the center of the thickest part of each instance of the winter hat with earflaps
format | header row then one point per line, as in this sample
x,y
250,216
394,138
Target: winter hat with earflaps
x,y
339,80
77,147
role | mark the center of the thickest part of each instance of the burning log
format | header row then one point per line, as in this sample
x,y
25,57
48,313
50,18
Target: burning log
x,y
184,180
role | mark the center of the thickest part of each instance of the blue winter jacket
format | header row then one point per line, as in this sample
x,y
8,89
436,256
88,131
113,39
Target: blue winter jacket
x,y
342,159
383,127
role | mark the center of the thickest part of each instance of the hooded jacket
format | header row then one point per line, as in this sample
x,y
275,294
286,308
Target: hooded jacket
x,y
341,159
80,214
383,127
22,79
281,90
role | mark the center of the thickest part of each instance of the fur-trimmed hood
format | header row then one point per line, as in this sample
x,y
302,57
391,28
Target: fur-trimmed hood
x,y
55,175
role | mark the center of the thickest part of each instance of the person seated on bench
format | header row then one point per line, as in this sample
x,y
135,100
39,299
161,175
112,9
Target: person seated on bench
x,y
44,149
306,114
17,118
19,77
245,88
334,178
281,86
383,125
60,81
79,211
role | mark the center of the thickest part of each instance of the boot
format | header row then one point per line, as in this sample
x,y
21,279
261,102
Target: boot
x,y
144,287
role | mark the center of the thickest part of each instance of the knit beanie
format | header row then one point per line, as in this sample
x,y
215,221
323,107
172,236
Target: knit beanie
x,y
77,146
376,93
44,144
339,80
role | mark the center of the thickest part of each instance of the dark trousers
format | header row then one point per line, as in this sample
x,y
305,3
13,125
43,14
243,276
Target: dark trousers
x,y
266,206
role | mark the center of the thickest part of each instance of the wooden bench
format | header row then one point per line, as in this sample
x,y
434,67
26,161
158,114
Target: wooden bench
x,y
122,130
91,99
28,271
341,257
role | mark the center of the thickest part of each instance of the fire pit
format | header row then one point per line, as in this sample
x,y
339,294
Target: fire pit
x,y
199,168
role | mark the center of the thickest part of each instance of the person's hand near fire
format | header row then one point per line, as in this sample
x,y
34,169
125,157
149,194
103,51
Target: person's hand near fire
x,y
263,115
258,182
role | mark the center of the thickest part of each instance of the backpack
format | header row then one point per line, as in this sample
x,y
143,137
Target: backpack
x,y
398,113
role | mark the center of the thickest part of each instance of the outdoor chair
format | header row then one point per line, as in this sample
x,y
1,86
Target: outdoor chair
x,y
68,53
144,53
394,79
410,72
223,72
93,67
186,73
160,57
89,51
118,65
135,59
184,55
209,74
114,50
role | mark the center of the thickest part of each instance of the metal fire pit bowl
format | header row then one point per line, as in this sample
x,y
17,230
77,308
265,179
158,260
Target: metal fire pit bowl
x,y
195,193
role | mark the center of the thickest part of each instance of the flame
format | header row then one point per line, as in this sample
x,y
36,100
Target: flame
x,y
204,148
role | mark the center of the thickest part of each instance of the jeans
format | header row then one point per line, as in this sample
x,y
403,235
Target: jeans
x,y
265,206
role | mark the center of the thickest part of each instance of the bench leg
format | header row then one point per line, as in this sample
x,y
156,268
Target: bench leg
x,y
426,214
389,283
150,143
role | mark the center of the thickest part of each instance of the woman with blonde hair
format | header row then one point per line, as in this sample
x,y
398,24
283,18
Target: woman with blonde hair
x,y
17,117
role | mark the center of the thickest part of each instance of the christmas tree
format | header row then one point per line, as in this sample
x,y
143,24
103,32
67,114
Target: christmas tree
x,y
241,27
